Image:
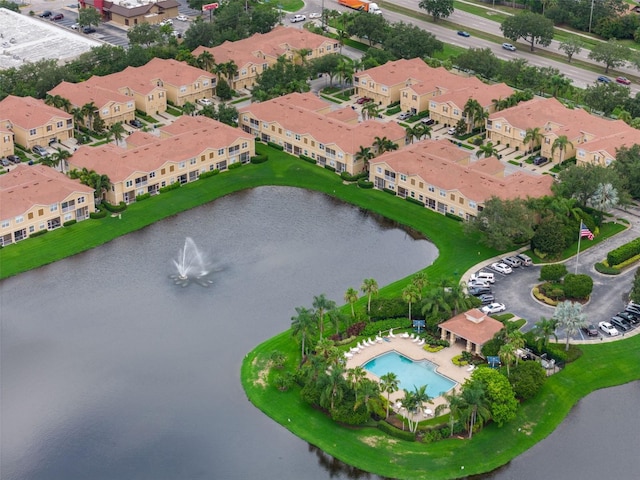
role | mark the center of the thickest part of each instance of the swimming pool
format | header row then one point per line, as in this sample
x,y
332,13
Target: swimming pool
x,y
410,373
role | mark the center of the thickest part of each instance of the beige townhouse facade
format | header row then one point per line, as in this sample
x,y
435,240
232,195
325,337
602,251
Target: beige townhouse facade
x,y
33,122
36,197
7,147
441,177
185,149
255,54
331,139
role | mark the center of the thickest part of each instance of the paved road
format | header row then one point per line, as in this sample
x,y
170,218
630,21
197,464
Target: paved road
x,y
610,293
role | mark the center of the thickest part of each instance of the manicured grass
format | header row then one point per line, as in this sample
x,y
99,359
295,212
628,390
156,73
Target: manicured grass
x,y
290,5
367,448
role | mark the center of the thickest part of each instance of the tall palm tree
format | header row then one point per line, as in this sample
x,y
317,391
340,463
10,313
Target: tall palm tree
x,y
303,326
458,299
89,111
365,154
472,109
101,185
507,353
206,61
370,110
370,288
118,131
369,395
561,143
332,387
421,396
570,317
411,294
545,328
423,131
78,117
487,150
59,158
533,136
389,384
351,297
383,144
420,281
475,406
453,403
435,305
355,376
189,108
322,305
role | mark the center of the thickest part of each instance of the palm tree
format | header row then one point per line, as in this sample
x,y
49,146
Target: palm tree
x,y
389,384
570,317
322,305
413,132
475,407
59,158
420,281
435,304
458,299
454,404
101,185
604,198
351,297
89,111
369,395
303,326
507,352
423,131
332,387
365,154
189,108
383,144
544,328
370,110
472,109
516,339
561,143
487,150
118,131
533,136
78,117
370,288
355,376
206,61
411,294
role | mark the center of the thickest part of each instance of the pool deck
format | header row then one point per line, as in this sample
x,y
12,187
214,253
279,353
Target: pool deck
x,y
415,352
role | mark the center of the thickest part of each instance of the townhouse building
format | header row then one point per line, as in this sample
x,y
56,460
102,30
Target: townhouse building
x,y
332,139
7,147
133,12
442,177
255,54
33,122
590,139
185,149
35,198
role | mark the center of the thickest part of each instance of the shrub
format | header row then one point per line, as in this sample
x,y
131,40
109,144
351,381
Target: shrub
x,y
623,252
454,217
396,432
362,183
210,173
310,393
69,223
413,200
307,159
275,145
394,110
259,159
553,272
144,196
383,308
344,413
578,286
330,168
121,207
356,329
98,214
606,269
373,328
38,233
527,379
235,165
283,382
389,191
168,188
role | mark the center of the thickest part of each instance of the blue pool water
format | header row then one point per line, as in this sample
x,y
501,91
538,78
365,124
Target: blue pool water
x,y
410,373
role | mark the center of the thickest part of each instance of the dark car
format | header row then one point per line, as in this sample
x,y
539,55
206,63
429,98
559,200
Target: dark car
x,y
88,30
540,160
57,16
633,309
486,298
591,330
604,79
620,324
14,158
477,291
135,123
629,317
462,33
362,100
46,14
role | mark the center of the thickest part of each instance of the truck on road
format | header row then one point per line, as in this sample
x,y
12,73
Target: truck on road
x,y
362,5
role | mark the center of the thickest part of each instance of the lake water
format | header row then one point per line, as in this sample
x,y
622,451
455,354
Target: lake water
x,y
110,371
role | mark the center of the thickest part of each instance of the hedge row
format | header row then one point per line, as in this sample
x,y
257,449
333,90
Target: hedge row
x,y
623,252
121,207
168,188
396,432
210,173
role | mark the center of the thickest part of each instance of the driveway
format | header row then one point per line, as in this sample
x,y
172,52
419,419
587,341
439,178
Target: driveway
x,y
610,293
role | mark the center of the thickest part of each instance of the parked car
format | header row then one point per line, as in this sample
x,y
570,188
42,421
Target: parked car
x,y
620,324
135,123
609,329
362,100
297,18
501,268
428,121
540,160
486,298
477,291
462,33
525,259
38,150
57,16
629,317
5,162
513,262
182,18
205,102
404,116
493,308
477,283
75,26
623,80
451,131
88,29
603,79
590,330
484,276
166,21
631,308
46,14
315,15
14,159
508,46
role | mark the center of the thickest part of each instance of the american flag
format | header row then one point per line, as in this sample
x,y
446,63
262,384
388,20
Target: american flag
x,y
585,232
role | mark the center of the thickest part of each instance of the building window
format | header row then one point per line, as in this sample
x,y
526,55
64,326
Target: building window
x,y
403,177
182,164
32,131
244,145
53,207
443,193
129,183
152,174
456,112
49,128
432,189
80,200
5,224
105,111
183,89
472,204
19,219
221,151
193,160
60,124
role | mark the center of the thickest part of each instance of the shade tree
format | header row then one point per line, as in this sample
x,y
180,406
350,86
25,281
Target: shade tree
x,y
437,8
530,27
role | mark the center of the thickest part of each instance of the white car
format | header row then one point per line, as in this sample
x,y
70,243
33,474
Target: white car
x,y
314,15
182,18
205,102
75,26
609,329
451,131
508,46
493,308
166,21
297,18
476,282
501,268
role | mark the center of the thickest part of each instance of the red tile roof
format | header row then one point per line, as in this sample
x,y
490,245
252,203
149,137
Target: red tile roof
x,y
28,112
474,326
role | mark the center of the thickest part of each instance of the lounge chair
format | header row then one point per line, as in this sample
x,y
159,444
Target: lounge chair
x,y
421,342
371,342
413,336
348,355
391,333
471,368
405,335
416,340
378,339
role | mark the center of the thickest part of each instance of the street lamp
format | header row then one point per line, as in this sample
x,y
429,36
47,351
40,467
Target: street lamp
x,y
591,15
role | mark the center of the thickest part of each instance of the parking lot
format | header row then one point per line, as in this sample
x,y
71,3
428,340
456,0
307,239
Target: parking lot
x,y
609,296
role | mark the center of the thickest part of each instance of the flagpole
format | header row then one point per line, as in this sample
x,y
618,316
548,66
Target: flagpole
x,y
578,254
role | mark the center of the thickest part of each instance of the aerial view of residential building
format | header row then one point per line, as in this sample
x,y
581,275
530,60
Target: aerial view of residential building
x,y
253,55
187,147
132,12
441,176
33,122
36,197
294,122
